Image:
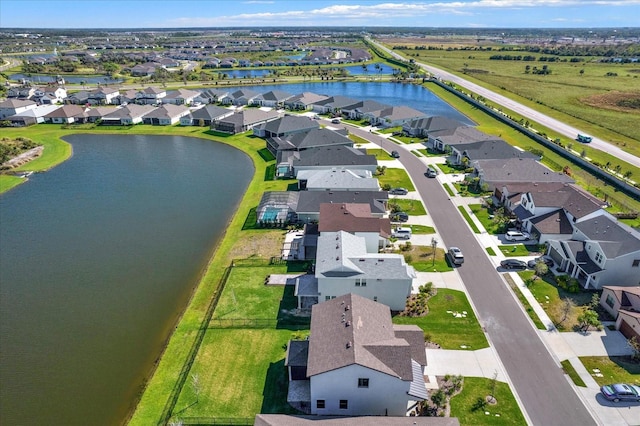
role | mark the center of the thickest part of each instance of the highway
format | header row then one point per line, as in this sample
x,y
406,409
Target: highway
x,y
544,392
530,113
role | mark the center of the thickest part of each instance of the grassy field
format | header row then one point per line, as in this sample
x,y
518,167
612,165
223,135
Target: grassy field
x,y
397,178
615,369
504,412
442,327
550,297
569,93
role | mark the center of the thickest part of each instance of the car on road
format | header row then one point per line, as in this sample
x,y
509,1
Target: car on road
x,y
395,154
335,121
513,264
399,217
621,392
516,236
431,172
455,255
546,259
398,191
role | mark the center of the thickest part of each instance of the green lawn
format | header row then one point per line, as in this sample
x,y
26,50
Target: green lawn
x,y
615,369
422,259
422,229
513,250
412,207
525,303
442,327
490,251
380,154
430,152
241,373
397,178
482,213
467,217
450,169
450,191
504,412
572,373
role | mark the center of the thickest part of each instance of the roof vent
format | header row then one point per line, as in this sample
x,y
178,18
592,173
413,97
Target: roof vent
x,y
347,308
337,257
347,324
348,345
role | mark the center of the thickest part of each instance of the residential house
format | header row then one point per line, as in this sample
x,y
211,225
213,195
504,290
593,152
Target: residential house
x,y
50,95
240,97
127,115
31,116
66,114
303,101
358,110
308,420
549,210
94,115
357,220
314,138
443,139
393,116
78,98
358,362
13,106
150,96
285,126
337,179
324,158
495,173
22,92
103,96
144,70
205,116
601,251
486,150
623,303
165,115
126,97
273,99
244,120
210,96
333,104
422,127
180,97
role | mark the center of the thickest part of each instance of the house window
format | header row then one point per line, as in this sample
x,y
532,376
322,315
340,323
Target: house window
x,y
363,383
361,282
327,298
320,403
609,301
636,263
598,257
344,404
375,298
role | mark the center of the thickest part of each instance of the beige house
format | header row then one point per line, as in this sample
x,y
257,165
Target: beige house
x,y
623,303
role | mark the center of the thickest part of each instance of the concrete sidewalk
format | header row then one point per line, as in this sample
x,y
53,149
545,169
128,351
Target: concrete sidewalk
x,y
480,363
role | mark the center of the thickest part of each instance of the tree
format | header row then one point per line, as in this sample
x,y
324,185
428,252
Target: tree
x,y
635,347
588,319
566,309
434,245
595,301
439,398
541,269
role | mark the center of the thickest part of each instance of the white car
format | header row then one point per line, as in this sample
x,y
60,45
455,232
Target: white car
x,y
401,233
517,236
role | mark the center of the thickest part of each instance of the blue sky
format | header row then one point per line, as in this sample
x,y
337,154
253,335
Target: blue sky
x,y
310,13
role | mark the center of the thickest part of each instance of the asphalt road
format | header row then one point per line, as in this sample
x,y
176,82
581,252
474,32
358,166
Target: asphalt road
x,y
548,122
539,382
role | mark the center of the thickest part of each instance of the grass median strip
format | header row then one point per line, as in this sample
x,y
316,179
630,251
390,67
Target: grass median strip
x,y
470,221
572,373
525,303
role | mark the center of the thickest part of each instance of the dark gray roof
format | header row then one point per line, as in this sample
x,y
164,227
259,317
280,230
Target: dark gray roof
x,y
350,330
243,93
614,238
434,123
518,170
572,199
309,201
492,150
297,353
365,106
290,420
400,113
340,155
337,102
306,98
312,139
167,111
555,222
275,95
249,116
460,135
290,123
209,112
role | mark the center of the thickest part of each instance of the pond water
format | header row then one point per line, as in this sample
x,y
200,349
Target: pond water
x,y
370,69
74,79
98,258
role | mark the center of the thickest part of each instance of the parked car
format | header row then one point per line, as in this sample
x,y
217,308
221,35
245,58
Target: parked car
x,y
455,255
546,259
517,236
398,191
621,392
395,154
513,264
401,233
335,121
431,172
399,217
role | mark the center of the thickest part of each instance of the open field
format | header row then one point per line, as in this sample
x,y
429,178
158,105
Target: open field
x,y
567,92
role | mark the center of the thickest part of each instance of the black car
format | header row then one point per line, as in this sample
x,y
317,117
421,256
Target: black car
x,y
395,154
513,264
547,260
398,191
399,217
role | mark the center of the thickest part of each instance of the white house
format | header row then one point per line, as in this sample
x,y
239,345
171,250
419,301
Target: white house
x,y
15,106
150,95
50,94
357,361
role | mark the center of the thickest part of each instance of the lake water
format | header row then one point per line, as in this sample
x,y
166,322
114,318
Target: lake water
x,y
74,79
98,257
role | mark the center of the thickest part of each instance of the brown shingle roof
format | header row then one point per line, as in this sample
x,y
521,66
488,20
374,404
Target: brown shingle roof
x,y
351,217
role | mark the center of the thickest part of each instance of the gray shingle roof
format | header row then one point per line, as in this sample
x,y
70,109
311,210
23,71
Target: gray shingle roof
x,y
339,178
518,170
352,218
290,123
312,139
434,123
350,330
209,112
460,135
615,238
555,222
492,150
340,155
309,201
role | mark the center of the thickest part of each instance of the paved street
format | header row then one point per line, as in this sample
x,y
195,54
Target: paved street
x,y
549,122
537,379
